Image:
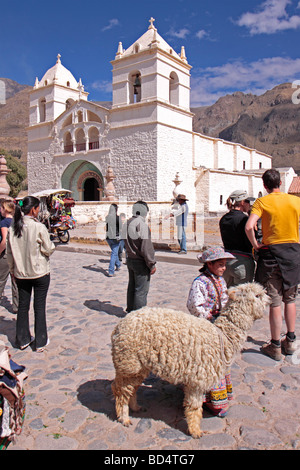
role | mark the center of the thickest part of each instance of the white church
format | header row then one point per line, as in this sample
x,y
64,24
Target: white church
x,y
145,138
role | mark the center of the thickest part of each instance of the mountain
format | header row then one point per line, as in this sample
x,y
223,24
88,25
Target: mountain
x,y
12,87
14,117
269,123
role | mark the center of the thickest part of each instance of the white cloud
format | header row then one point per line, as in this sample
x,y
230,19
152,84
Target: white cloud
x,y
181,34
102,85
111,24
201,34
271,17
209,84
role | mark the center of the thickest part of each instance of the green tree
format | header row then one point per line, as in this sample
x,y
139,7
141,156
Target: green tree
x,y
17,176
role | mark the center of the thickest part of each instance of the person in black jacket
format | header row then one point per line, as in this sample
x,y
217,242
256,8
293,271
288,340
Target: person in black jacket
x,y
141,261
235,240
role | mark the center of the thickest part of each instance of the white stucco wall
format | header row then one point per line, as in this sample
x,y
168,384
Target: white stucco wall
x,y
175,154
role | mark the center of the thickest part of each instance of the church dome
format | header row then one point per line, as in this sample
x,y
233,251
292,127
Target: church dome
x,y
58,75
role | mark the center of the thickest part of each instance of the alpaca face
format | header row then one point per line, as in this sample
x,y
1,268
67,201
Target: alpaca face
x,y
252,295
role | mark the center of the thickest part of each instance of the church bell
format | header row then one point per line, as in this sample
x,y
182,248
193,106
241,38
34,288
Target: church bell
x,y
137,85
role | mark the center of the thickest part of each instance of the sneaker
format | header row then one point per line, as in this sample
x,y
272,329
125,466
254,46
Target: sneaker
x,y
288,346
27,344
270,349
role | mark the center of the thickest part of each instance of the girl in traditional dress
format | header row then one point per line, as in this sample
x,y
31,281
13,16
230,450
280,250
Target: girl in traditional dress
x,y
207,296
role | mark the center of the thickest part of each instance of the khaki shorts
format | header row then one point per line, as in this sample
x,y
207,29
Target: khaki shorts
x,y
274,287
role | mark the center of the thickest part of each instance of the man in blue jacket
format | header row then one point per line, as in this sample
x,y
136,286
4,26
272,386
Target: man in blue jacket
x,y
181,215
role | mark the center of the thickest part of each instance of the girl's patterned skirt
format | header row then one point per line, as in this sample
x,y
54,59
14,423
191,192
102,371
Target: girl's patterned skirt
x,y
216,400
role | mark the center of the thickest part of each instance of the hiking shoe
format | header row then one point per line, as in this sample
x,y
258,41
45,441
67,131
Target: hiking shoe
x,y
271,350
288,346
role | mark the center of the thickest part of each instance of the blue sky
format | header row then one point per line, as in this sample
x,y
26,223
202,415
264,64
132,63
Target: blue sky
x,y
235,45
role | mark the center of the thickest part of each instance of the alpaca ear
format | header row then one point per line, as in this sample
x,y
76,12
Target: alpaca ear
x,y
232,294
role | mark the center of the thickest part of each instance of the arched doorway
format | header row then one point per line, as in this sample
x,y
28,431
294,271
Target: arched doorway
x,y
90,184
84,180
91,190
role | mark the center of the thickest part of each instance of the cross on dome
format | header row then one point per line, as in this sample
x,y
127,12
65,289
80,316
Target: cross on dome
x,y
58,59
151,21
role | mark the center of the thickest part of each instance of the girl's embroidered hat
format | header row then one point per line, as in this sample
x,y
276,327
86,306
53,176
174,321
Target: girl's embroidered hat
x,y
212,254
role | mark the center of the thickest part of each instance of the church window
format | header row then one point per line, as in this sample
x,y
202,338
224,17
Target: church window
x,y
93,138
68,144
244,165
221,200
136,48
69,103
173,89
135,87
42,110
80,140
68,84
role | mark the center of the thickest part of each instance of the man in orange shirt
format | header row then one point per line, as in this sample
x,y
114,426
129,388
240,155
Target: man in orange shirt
x,y
278,266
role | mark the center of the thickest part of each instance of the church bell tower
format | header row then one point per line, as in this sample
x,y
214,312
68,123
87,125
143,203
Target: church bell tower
x,y
150,71
151,115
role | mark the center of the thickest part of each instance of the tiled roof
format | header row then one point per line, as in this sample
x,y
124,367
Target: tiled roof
x,y
295,186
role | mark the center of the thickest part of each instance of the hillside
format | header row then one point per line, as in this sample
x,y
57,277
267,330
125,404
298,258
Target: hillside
x,y
14,118
270,122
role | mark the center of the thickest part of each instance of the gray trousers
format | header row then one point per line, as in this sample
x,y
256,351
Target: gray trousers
x,y
138,284
4,273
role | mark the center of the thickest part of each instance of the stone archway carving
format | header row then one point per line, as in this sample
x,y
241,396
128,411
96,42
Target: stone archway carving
x,y
86,175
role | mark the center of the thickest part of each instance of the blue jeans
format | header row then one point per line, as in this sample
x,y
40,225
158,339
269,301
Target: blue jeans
x,y
121,249
181,237
114,257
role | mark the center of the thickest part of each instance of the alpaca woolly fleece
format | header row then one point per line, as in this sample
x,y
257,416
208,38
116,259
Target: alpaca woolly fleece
x,y
181,349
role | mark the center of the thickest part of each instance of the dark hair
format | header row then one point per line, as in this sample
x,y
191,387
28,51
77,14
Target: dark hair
x,y
205,266
113,209
140,208
232,204
271,179
23,208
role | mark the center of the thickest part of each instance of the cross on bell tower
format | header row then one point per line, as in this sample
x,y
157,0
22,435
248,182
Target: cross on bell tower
x,y
151,21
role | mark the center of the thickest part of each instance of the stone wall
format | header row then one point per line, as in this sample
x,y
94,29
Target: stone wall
x,y
133,159
162,227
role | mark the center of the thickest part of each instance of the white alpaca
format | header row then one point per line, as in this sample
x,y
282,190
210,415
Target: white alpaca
x,y
181,349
